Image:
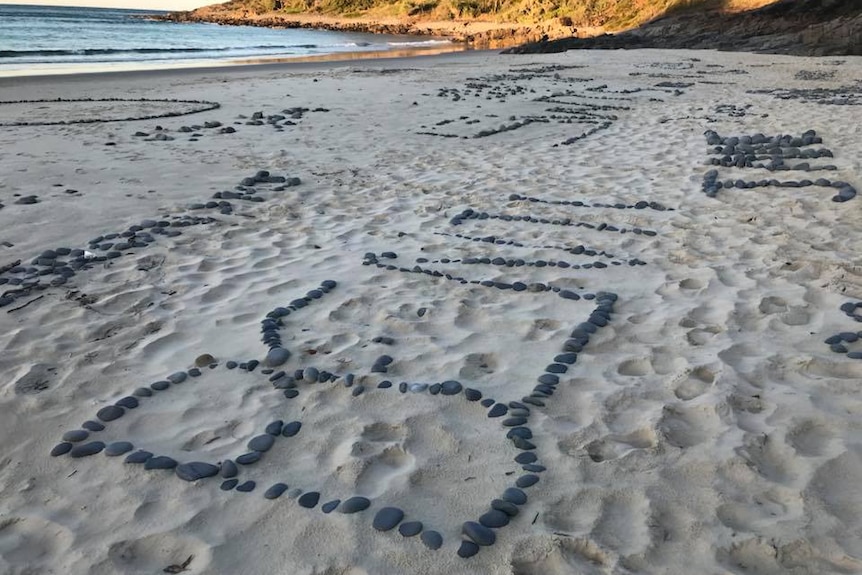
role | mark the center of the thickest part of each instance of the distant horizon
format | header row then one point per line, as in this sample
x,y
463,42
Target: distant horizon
x,y
164,5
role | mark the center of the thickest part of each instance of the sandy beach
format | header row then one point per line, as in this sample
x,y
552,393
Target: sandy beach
x,y
580,301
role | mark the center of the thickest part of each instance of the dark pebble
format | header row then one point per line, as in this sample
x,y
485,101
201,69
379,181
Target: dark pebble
x,y
85,449
246,487
196,470
128,402
506,507
228,484
499,410
494,519
524,458
118,448
92,426
274,428
514,495
467,549
143,392
177,377
330,506
527,481
275,491
514,421
261,443
229,469
277,356
472,394
76,435
410,528
549,379
138,457
249,458
61,449
355,504
160,462
387,518
160,385
309,500
291,429
110,413
479,533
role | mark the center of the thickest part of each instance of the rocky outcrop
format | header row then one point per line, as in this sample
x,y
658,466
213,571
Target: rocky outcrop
x,y
797,27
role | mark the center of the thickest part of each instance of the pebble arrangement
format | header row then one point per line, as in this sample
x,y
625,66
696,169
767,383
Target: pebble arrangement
x,y
55,267
197,106
471,214
78,443
838,343
500,241
769,153
843,96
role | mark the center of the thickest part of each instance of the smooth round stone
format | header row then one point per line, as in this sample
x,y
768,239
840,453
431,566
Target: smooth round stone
x,y
478,533
93,426
277,356
494,519
204,360
311,374
86,449
309,500
524,458
246,487
61,449
357,391
522,443
229,469
178,377
160,462
556,368
330,506
261,443
567,358
402,387
522,432
568,294
228,484
110,413
849,336
291,429
417,387
432,540
196,470
855,355
534,468
275,491
472,394
467,549
527,481
128,402
274,428
499,410
506,507
451,388
118,448
138,457
514,421
387,518
514,495
328,284
487,402
355,504
249,458
549,379
410,528
160,385
76,435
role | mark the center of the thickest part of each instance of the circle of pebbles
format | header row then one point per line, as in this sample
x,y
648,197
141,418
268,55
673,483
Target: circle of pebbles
x,y
198,106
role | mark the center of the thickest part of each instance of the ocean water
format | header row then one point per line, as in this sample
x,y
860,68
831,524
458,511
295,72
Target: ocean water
x,y
52,39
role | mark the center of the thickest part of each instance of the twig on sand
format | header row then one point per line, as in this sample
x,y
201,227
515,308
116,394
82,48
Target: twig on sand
x,y
26,304
179,568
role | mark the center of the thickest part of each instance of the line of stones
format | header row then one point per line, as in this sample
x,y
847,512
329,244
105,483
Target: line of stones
x,y
63,263
497,240
516,263
640,205
837,341
471,214
202,106
518,286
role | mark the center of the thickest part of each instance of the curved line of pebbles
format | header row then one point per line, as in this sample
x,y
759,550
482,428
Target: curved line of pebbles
x,y
497,240
471,214
201,106
640,205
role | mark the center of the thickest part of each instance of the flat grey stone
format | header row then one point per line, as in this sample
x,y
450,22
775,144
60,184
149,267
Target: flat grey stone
x,y
432,540
291,429
249,458
451,388
138,457
494,519
330,506
160,462
410,528
86,449
118,448
514,495
61,449
196,470
309,499
246,487
275,491
228,484
76,435
479,533
387,518
524,458
261,443
160,385
467,549
274,428
93,426
110,413
514,421
355,504
506,507
177,377
527,481
472,394
499,410
276,356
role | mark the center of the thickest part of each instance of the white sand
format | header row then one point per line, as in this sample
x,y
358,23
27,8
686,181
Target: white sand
x,y
707,429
